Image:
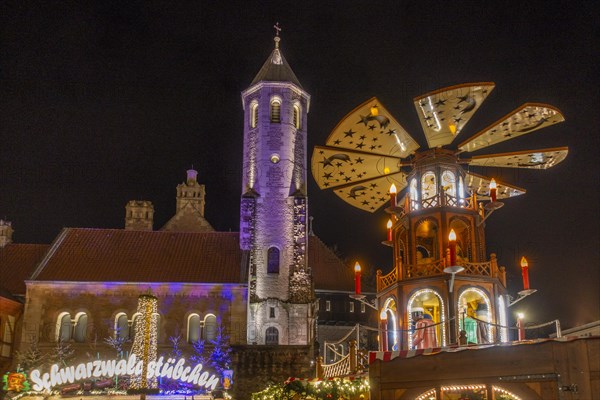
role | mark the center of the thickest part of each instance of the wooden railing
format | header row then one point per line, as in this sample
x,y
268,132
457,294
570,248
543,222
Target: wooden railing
x,y
442,199
486,268
348,365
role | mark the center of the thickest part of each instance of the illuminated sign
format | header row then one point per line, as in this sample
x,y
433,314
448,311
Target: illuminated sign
x,y
15,382
108,368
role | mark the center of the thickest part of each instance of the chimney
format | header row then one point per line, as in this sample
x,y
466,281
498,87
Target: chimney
x,y
139,215
6,232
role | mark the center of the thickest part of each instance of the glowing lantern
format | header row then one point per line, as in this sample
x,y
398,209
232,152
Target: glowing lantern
x,y
493,189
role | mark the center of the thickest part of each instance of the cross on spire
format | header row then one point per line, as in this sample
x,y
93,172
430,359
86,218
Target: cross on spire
x,y
277,28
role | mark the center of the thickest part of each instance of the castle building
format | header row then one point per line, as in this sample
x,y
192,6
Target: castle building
x,y
260,287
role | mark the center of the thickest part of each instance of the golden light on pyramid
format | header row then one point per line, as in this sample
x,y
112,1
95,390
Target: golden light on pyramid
x,y
369,150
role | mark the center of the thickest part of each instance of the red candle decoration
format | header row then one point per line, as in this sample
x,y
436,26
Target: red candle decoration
x,y
357,278
393,192
525,273
383,330
452,246
389,227
493,189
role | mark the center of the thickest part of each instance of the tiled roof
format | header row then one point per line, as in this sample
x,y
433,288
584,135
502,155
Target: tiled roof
x,y
17,261
99,255
329,272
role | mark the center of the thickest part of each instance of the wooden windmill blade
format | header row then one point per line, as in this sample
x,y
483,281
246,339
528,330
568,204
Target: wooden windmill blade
x,y
371,128
371,194
333,167
445,112
525,119
480,185
534,159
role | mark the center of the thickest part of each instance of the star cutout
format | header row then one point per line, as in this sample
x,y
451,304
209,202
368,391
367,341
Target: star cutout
x,y
338,164
359,160
371,127
373,185
365,203
360,145
440,102
337,141
362,137
391,132
349,133
347,179
327,175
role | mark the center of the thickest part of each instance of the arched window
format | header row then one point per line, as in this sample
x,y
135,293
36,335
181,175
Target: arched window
x,y
425,309
253,115
449,183
475,310
414,194
428,185
193,329
462,229
210,328
272,336
276,111
273,260
427,242
157,315
296,120
461,188
390,311
80,331
63,327
122,326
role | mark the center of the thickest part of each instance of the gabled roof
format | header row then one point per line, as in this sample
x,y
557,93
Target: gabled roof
x,y
329,272
276,69
17,262
113,255
188,219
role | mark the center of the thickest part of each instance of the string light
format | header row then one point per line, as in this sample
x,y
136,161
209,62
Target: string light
x,y
145,341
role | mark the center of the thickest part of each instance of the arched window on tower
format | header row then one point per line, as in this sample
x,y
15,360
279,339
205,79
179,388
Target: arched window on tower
x,y
273,260
80,331
272,336
210,328
296,116
276,111
193,331
63,327
254,115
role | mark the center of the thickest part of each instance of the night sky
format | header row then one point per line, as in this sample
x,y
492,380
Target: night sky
x,y
112,102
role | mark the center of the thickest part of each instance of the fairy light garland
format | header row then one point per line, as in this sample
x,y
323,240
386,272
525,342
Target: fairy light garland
x,y
442,313
145,341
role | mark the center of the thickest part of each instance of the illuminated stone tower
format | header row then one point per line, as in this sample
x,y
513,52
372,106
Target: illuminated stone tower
x,y
274,206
